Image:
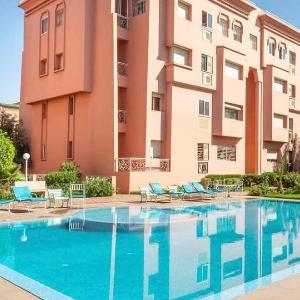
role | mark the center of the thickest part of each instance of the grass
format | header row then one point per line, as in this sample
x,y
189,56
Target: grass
x,y
283,196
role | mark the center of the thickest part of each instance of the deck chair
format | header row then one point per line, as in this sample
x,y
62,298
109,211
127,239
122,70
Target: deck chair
x,y
77,192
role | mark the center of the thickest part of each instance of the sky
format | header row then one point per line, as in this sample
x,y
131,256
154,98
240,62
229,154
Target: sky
x,y
11,40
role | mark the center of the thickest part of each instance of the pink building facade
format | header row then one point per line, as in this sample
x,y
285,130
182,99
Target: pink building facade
x,y
165,90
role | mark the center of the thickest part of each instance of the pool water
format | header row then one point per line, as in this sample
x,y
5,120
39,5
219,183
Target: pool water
x,y
135,253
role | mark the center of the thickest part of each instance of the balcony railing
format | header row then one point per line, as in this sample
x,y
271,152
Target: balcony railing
x,y
292,102
122,116
133,164
122,21
122,69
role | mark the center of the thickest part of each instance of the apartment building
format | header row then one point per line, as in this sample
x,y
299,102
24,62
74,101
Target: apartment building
x,y
165,90
11,109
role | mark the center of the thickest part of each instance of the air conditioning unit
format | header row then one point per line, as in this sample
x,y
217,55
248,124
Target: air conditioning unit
x,y
293,69
207,78
207,35
292,102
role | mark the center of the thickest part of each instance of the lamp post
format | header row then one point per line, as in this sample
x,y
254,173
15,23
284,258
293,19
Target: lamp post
x,y
26,157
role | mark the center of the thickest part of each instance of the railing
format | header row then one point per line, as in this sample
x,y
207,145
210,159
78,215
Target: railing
x,y
132,164
123,21
122,116
207,34
122,68
292,103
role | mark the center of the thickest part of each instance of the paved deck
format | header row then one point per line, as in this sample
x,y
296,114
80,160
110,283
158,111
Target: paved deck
x,y
288,289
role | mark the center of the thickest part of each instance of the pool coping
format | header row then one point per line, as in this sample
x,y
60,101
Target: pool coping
x,y
42,291
30,285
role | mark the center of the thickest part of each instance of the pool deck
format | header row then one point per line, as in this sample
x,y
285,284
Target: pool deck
x,y
288,289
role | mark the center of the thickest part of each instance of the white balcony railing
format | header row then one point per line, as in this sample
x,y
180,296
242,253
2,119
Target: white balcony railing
x,y
122,116
292,102
122,69
122,21
133,164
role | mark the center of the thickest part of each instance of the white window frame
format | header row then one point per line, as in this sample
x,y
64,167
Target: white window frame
x,y
233,70
208,23
206,108
184,10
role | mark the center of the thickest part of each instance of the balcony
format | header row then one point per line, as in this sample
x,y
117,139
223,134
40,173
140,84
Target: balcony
x,y
122,120
122,74
133,164
280,135
123,21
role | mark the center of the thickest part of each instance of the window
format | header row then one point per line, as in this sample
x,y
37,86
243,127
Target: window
x,y
292,90
59,18
292,58
206,63
224,23
226,153
139,7
43,151
207,20
271,46
279,121
234,112
282,51
180,56
202,272
70,150
279,85
253,41
202,167
233,70
238,31
44,25
203,152
44,110
272,155
204,108
71,105
58,62
184,10
156,103
43,67
155,150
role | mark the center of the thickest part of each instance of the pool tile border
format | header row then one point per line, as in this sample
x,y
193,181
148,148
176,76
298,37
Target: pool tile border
x,y
35,288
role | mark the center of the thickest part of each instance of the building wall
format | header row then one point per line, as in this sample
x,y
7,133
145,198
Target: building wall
x,y
111,67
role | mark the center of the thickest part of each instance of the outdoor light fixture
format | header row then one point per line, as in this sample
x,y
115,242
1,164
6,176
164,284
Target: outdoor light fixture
x,y
26,157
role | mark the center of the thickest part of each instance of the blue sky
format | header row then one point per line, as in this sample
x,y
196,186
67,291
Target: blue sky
x,y
11,40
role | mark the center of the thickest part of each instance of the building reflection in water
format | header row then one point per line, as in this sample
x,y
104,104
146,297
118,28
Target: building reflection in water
x,y
203,250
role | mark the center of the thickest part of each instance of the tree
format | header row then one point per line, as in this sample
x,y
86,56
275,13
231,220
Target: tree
x,y
16,132
9,171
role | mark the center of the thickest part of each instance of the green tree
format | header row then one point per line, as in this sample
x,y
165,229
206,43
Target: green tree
x,y
9,171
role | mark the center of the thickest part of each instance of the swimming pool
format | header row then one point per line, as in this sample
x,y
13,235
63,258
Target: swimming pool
x,y
212,251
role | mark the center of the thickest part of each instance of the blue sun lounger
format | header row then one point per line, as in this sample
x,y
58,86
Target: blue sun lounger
x,y
199,188
22,194
158,190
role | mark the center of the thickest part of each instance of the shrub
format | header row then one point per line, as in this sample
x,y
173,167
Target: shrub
x,y
98,187
4,195
70,167
7,152
291,181
61,180
260,190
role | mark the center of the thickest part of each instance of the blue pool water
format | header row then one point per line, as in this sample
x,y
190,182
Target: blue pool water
x,y
215,251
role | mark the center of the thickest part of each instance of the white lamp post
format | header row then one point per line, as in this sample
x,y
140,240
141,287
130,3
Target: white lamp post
x,y
26,157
